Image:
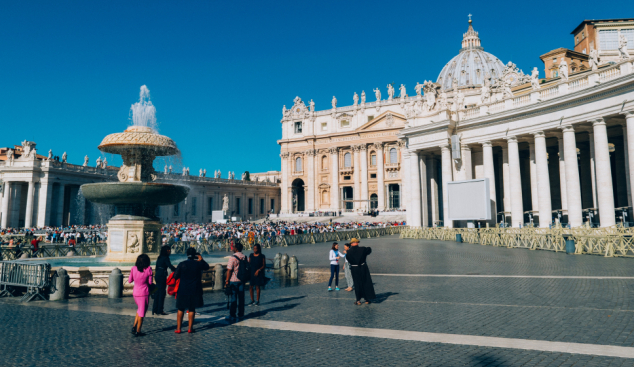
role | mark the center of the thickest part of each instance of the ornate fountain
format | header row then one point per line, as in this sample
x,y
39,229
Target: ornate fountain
x,y
135,229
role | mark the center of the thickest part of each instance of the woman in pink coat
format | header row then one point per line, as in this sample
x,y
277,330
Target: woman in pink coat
x,y
141,276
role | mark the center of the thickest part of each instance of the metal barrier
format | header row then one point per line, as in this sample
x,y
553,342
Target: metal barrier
x,y
35,276
53,250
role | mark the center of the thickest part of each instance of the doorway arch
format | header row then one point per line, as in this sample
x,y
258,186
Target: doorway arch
x,y
298,195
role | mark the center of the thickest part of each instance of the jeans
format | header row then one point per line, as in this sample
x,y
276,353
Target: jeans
x,y
334,272
237,299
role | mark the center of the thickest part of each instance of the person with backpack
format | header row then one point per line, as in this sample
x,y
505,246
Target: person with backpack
x,y
238,273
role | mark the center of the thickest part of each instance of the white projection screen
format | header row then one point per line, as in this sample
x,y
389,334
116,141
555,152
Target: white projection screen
x,y
469,200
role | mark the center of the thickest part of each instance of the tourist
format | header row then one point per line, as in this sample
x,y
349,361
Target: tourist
x,y
334,266
346,268
257,264
162,264
35,245
356,257
236,284
141,276
189,272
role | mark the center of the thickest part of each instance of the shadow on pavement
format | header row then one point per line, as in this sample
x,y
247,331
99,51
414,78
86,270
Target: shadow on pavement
x,y
488,360
383,296
274,309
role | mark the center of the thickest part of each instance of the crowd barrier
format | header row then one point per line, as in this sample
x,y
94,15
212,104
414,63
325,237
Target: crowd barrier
x,y
609,242
34,276
52,250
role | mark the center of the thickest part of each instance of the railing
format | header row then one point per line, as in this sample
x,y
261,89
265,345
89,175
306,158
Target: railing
x,y
549,93
34,276
521,100
608,242
53,250
610,73
496,107
578,84
472,112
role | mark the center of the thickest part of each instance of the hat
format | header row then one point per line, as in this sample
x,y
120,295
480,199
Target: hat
x,y
354,240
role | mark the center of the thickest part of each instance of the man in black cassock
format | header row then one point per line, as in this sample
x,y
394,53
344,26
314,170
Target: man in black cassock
x,y
356,257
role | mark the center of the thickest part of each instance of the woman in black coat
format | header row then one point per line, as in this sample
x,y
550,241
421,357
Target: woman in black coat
x,y
160,278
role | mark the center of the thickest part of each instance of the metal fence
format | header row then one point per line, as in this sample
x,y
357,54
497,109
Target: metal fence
x,y
34,276
609,242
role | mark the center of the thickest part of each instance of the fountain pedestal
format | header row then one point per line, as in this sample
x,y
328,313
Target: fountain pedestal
x,y
129,236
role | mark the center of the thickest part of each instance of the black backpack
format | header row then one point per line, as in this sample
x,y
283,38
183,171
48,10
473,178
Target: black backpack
x,y
244,271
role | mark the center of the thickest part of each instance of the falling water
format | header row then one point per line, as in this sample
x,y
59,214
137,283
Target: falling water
x,y
143,112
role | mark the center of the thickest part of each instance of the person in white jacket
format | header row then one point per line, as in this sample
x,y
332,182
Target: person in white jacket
x,y
334,266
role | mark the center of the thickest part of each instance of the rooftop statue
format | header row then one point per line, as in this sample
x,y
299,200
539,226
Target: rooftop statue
x,y
418,88
86,161
334,102
390,92
594,60
64,156
403,91
535,78
377,93
623,46
563,70
355,98
362,96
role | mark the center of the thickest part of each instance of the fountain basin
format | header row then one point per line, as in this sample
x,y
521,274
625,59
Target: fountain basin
x,y
131,193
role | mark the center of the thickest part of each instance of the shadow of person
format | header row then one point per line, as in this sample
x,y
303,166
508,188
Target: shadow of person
x,y
383,296
286,299
488,360
260,313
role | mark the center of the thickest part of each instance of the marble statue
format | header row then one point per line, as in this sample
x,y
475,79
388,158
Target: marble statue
x,y
170,168
244,176
187,171
443,103
362,97
64,157
10,155
355,98
200,173
98,162
165,169
593,60
86,161
403,91
563,70
205,172
334,102
377,93
184,171
225,204
105,163
425,107
459,101
419,89
430,94
623,46
535,79
312,105
50,154
390,92
485,91
284,111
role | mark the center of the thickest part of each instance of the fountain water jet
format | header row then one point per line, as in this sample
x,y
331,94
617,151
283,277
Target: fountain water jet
x,y
135,229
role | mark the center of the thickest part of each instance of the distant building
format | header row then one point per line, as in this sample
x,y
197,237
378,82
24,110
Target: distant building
x,y
602,35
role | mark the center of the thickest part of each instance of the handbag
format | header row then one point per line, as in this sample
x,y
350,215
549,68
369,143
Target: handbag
x,y
152,288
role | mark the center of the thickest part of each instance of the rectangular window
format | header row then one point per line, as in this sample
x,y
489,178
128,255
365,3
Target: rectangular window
x,y
345,123
250,206
273,205
372,175
609,38
298,127
194,206
373,160
370,118
210,205
237,205
177,210
261,206
324,126
346,177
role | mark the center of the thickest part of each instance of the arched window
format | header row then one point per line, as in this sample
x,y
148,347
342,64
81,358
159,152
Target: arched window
x,y
324,163
298,164
347,160
393,157
373,159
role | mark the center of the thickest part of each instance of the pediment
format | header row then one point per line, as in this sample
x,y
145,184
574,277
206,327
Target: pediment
x,y
386,120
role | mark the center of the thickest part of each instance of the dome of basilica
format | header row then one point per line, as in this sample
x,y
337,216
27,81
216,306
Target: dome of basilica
x,y
471,65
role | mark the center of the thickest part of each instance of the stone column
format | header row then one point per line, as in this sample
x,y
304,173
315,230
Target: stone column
x,y
334,177
517,206
310,192
467,168
356,175
629,148
5,204
573,187
562,175
446,177
489,172
60,205
44,204
628,187
506,180
593,172
432,190
543,180
285,208
605,191
380,175
414,213
533,172
424,212
30,196
363,151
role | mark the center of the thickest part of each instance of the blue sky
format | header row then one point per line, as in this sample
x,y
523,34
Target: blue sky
x,y
219,72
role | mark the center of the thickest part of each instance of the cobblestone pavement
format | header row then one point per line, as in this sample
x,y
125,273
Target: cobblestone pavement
x,y
593,310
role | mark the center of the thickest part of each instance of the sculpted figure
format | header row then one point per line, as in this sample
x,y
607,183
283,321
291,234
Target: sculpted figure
x,y
165,169
485,92
507,89
86,161
623,46
312,105
170,168
563,69
50,154
284,111
459,101
418,88
443,103
362,96
184,171
430,94
390,92
200,173
205,172
355,98
403,91
98,162
10,155
425,107
225,203
535,79
593,60
377,93
334,102
244,176
64,156
104,163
